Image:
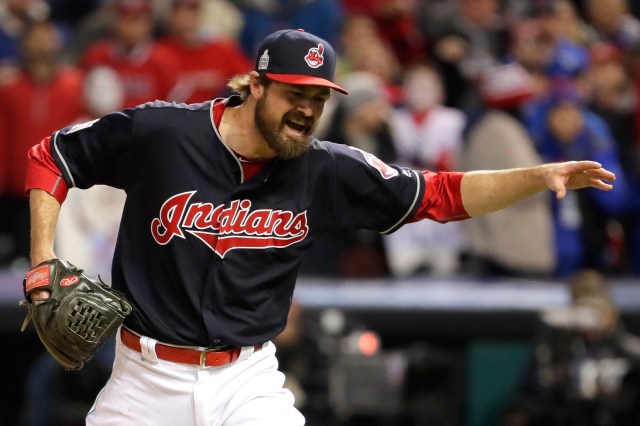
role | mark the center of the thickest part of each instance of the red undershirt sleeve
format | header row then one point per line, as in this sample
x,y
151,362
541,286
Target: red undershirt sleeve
x,y
442,201
43,172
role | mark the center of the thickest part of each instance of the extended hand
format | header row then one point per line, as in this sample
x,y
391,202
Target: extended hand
x,y
576,175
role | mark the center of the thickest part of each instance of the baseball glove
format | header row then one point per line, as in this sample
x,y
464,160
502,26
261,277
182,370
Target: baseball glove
x,y
80,314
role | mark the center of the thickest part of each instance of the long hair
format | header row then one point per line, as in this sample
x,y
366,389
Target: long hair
x,y
240,84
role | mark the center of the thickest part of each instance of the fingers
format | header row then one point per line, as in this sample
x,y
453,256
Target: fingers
x,y
39,296
580,166
581,174
591,168
561,191
597,183
601,174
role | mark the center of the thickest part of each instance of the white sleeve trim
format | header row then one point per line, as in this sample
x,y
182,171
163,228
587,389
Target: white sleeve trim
x,y
64,163
415,200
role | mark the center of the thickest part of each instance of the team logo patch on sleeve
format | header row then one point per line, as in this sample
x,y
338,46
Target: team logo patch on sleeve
x,y
386,171
314,57
226,227
38,277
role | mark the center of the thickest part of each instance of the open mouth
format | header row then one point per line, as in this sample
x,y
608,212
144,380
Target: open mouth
x,y
298,126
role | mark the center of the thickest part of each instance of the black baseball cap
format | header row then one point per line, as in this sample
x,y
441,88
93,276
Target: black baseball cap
x,y
297,57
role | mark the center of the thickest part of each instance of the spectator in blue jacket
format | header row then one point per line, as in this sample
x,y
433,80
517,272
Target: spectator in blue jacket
x,y
563,128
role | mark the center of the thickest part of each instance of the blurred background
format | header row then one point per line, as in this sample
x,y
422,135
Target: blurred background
x,y
528,316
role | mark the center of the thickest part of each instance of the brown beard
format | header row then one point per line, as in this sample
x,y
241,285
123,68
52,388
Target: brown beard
x,y
286,147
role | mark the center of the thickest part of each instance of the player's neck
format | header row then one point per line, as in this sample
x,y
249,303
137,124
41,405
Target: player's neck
x,y
239,132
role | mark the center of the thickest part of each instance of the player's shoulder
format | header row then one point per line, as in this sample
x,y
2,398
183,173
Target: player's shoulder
x,y
157,115
333,154
330,149
350,162
325,149
174,106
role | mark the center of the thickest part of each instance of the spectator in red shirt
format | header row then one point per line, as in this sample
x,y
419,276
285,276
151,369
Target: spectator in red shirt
x,y
206,63
147,70
397,24
40,98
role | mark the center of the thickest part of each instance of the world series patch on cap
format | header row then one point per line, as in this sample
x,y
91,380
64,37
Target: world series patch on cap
x,y
298,57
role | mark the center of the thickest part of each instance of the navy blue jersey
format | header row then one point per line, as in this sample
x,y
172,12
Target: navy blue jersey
x,y
206,256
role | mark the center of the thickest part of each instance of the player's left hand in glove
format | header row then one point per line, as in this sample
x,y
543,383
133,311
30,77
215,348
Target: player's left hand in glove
x,y
80,314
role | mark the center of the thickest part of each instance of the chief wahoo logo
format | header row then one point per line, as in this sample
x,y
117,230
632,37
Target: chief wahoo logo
x,y
314,58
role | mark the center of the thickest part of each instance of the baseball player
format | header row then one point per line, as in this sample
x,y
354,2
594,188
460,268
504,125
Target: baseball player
x,y
223,199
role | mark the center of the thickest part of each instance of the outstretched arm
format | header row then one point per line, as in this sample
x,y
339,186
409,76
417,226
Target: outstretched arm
x,y
488,191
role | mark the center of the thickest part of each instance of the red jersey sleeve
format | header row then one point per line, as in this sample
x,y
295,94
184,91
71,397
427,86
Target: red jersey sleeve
x,y
43,172
442,201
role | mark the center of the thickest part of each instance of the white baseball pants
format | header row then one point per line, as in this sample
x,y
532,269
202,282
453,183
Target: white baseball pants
x,y
144,390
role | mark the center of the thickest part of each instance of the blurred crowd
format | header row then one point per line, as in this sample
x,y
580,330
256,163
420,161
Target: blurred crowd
x,y
435,84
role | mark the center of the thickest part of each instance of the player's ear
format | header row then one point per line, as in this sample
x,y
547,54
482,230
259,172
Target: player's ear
x,y
256,84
